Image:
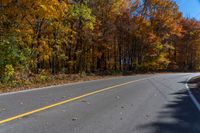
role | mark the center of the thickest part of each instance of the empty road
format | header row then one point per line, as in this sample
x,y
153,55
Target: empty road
x,y
152,103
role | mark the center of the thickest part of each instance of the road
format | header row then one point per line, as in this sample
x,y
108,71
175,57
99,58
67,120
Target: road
x,y
152,103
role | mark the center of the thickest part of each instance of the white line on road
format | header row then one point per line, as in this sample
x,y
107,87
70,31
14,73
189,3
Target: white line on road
x,y
192,96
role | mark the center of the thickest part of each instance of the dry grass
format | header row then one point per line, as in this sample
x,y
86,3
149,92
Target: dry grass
x,y
195,80
194,85
37,81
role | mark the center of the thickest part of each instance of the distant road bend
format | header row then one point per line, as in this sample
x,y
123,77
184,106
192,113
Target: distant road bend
x,y
151,103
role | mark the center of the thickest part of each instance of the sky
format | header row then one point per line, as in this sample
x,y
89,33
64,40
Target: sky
x,y
189,8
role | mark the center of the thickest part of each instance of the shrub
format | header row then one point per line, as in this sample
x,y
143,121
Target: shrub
x,y
9,73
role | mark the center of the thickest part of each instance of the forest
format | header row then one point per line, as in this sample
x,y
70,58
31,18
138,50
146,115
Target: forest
x,y
95,36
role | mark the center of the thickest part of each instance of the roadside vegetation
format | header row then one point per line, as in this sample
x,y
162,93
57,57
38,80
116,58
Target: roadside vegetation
x,y
194,86
43,39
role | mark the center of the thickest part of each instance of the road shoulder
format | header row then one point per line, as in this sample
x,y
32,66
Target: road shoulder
x,y
193,86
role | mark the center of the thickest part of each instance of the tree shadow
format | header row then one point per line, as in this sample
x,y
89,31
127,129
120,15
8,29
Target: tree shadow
x,y
178,116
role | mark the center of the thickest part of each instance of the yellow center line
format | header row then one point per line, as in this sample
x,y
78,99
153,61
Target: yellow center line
x,y
66,101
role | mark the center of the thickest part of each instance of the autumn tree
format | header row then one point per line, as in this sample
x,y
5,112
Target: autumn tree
x,y
153,30
188,46
95,36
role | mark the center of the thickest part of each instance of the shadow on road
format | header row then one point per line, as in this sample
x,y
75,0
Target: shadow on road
x,y
178,116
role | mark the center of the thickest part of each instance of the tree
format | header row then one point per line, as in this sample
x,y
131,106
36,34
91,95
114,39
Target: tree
x,y
63,36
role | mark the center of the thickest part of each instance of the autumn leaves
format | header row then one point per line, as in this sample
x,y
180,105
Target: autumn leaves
x,y
61,36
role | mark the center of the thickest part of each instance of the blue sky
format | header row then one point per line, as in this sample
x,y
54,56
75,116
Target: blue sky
x,y
189,8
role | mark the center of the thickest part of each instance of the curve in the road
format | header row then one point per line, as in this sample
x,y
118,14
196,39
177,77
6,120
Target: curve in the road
x,y
195,101
67,101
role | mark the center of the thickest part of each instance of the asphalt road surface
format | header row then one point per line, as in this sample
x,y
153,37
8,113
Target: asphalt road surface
x,y
156,103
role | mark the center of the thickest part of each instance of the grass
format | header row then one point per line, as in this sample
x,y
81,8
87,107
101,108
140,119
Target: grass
x,y
43,80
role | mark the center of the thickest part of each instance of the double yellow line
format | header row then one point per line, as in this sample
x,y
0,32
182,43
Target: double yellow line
x,y
66,101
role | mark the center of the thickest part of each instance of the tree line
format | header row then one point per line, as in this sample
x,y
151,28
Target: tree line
x,y
75,36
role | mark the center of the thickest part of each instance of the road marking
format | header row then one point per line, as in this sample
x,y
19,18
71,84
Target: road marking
x,y
67,101
192,96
